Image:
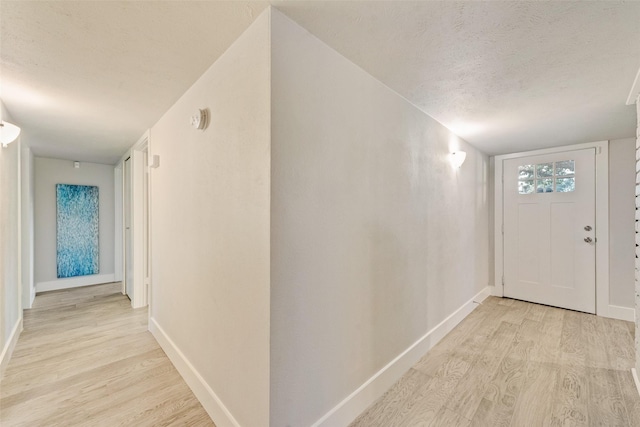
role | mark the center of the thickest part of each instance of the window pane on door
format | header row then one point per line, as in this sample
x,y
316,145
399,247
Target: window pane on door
x,y
565,167
526,172
525,187
544,170
565,185
544,185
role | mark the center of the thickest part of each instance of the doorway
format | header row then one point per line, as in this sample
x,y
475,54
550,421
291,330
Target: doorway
x,y
551,227
135,244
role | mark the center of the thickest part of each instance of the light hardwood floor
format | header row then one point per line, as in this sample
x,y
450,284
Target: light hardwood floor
x,y
512,363
85,358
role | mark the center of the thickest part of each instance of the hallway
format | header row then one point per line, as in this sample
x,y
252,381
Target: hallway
x,y
86,358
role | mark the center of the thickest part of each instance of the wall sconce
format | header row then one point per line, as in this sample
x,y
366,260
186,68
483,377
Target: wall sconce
x,y
457,158
8,133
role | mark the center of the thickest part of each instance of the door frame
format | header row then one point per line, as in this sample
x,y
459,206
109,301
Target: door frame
x,y
139,219
601,224
127,209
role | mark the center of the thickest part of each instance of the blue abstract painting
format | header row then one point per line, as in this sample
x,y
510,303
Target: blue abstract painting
x,y
77,230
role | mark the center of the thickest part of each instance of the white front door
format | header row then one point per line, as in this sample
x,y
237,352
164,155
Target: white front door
x,y
549,229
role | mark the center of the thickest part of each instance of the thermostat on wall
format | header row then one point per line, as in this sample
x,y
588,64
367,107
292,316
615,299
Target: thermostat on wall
x,y
199,120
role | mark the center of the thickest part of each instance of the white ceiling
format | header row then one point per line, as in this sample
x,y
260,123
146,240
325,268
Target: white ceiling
x,y
86,79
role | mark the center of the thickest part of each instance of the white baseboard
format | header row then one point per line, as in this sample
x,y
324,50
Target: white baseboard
x,y
347,410
622,313
635,378
207,397
74,282
7,351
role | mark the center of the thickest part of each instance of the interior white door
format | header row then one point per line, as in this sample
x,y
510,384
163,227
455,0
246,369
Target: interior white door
x,y
549,229
128,247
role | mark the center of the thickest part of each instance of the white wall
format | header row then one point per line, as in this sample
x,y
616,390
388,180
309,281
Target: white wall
x,y
376,238
621,221
48,173
27,195
10,306
210,228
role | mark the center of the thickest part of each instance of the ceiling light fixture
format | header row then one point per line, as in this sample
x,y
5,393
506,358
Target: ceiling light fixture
x,y
8,133
457,158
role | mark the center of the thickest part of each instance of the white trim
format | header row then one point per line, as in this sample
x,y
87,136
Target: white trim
x,y
7,351
498,262
635,378
602,229
20,261
140,297
347,410
118,223
602,218
635,90
142,143
207,397
74,282
622,313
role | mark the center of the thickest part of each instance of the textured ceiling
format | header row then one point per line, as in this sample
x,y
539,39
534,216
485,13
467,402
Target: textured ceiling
x,y
85,79
505,76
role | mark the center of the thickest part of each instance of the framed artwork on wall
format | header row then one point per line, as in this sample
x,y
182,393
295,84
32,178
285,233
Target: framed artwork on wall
x,y
77,246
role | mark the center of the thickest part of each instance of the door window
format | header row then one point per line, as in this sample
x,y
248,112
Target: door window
x,y
547,177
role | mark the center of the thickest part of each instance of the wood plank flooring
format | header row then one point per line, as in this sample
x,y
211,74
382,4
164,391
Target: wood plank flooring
x,y
512,363
85,357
